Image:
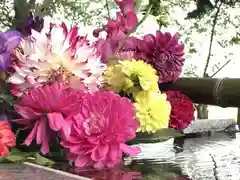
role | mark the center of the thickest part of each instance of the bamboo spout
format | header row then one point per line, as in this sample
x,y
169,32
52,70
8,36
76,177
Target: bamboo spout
x,y
221,92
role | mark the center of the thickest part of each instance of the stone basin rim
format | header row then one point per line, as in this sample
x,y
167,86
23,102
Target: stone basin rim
x,y
69,175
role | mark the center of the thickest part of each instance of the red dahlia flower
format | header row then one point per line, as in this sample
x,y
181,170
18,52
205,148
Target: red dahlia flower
x,y
164,53
6,138
182,110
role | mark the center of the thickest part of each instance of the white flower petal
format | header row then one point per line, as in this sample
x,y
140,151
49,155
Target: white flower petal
x,y
57,39
16,78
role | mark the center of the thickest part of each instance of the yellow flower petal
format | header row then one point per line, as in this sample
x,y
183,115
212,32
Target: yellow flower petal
x,y
152,110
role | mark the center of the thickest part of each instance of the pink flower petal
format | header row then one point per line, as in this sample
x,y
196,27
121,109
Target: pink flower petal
x,y
114,152
81,161
56,121
66,130
41,131
130,150
100,152
45,145
32,134
131,21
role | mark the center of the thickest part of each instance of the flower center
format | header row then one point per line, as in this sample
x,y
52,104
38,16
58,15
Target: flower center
x,y
93,125
61,74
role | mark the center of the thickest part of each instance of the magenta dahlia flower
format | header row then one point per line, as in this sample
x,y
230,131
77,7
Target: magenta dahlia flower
x,y
164,53
104,123
44,110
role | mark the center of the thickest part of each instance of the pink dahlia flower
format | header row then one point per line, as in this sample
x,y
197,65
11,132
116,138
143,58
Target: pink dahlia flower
x,y
164,53
116,30
104,123
125,5
56,54
44,110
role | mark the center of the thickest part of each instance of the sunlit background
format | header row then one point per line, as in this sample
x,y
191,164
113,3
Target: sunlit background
x,y
221,51
195,33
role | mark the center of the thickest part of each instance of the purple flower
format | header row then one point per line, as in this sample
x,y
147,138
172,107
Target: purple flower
x,y
164,53
8,41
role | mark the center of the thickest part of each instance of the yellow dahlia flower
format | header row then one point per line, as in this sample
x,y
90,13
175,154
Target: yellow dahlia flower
x,y
131,76
152,110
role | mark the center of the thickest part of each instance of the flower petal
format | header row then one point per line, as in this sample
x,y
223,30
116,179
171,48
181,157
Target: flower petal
x,y
56,121
100,152
81,161
4,60
130,150
13,39
32,134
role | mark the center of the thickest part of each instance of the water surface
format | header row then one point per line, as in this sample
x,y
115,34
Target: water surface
x,y
215,157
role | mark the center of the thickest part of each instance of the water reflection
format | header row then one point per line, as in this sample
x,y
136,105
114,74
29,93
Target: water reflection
x,y
203,158
214,157
108,174
137,170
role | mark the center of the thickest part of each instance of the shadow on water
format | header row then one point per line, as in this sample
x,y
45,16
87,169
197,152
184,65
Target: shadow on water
x,y
209,157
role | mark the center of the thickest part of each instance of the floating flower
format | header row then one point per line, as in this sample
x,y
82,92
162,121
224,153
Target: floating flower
x,y
152,110
61,55
6,138
100,130
182,112
44,110
164,53
8,42
131,77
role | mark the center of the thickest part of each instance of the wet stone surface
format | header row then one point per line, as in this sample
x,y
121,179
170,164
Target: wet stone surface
x,y
25,172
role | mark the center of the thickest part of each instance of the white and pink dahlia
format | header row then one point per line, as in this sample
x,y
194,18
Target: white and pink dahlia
x,y
59,55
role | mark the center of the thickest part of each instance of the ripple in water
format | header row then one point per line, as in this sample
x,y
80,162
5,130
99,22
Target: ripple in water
x,y
204,158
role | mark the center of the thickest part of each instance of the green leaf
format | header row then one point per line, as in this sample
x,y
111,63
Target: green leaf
x,y
192,50
158,136
7,99
17,156
2,159
42,160
235,41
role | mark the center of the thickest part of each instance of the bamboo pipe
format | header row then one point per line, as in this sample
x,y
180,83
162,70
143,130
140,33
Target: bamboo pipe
x,y
221,92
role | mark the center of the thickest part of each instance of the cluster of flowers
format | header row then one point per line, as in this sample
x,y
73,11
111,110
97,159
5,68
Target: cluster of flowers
x,y
93,96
